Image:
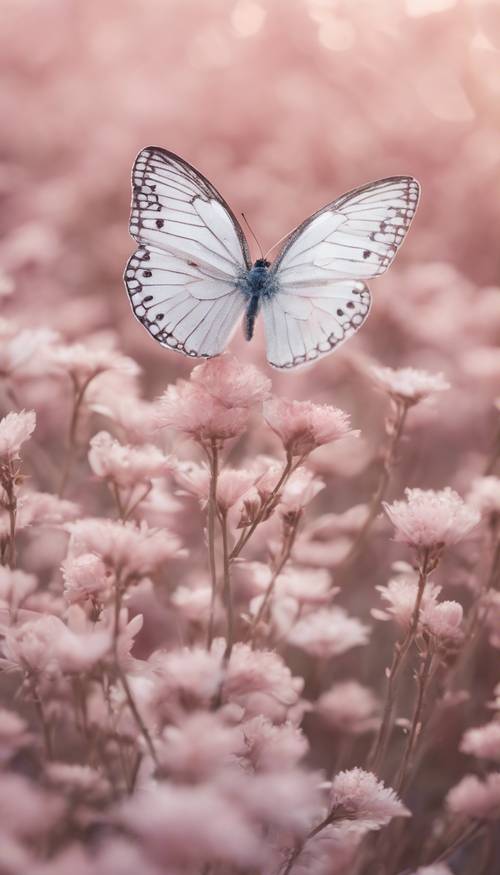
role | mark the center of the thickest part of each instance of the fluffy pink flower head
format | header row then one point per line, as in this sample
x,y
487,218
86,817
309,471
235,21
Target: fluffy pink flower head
x,y
476,798
484,496
429,520
328,633
127,466
85,578
15,429
271,748
349,707
300,489
132,550
85,361
15,586
187,408
230,382
259,681
302,426
48,645
24,352
358,796
483,741
400,595
409,385
443,621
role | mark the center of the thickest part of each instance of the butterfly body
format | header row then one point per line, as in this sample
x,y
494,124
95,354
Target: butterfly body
x,y
256,284
192,280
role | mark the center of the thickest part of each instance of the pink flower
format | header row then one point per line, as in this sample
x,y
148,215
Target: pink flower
x,y
475,797
358,796
443,621
259,681
187,408
85,578
429,519
484,496
409,385
23,352
434,869
328,632
199,747
15,429
271,748
127,466
77,782
300,489
85,361
193,603
302,426
13,735
132,550
48,645
230,382
401,595
16,586
483,741
349,707
232,486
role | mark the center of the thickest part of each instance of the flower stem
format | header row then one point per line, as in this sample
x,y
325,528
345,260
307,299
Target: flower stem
x,y
424,677
400,656
279,564
394,428
212,510
78,397
227,591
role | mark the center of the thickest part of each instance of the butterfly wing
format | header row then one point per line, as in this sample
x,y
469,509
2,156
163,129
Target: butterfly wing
x,y
321,299
183,281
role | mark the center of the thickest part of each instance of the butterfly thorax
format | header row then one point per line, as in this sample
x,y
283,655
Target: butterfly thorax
x,y
257,283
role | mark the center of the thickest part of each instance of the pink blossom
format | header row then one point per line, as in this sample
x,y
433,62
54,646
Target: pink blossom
x,y
27,811
484,496
443,621
15,429
200,746
299,490
76,781
327,633
409,385
433,869
185,407
164,815
401,595
231,382
349,707
48,645
475,797
23,352
429,519
193,602
271,748
232,486
303,426
85,577
358,795
132,550
483,741
126,466
85,361
16,586
13,734
260,682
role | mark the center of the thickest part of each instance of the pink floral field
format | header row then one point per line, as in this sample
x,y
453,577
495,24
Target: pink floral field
x,y
249,620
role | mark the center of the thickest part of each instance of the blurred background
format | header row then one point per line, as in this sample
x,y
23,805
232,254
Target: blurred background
x,y
284,105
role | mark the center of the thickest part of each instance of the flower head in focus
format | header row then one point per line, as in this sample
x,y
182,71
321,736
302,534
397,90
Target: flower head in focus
x,y
230,382
187,408
431,520
303,426
15,429
126,466
408,385
358,796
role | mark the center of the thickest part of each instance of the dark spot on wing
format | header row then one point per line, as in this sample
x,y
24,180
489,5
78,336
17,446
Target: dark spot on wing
x,y
192,264
159,223
340,312
147,273
366,253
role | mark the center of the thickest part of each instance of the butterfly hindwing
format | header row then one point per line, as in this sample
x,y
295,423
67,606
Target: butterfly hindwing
x,y
183,281
321,298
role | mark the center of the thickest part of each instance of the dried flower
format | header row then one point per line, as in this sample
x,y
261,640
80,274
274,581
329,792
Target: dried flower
x,y
15,429
358,795
230,382
299,490
303,426
429,519
86,577
49,646
85,361
185,407
475,797
409,385
328,632
400,595
483,741
126,466
484,496
349,707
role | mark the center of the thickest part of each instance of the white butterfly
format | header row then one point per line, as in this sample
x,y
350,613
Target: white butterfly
x,y
192,278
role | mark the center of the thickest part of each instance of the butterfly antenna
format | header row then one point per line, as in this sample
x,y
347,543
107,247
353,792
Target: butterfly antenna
x,y
247,223
280,241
